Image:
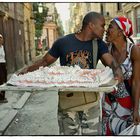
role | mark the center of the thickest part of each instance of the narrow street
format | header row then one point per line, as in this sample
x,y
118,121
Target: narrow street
x,y
37,117
29,30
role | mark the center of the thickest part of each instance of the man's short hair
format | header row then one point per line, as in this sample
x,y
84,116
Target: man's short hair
x,y
90,17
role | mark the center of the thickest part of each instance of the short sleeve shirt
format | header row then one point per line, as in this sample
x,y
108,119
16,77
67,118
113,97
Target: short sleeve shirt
x,y
72,51
2,54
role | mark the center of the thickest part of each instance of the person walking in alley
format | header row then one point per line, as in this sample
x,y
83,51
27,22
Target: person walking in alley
x,y
121,109
3,71
77,49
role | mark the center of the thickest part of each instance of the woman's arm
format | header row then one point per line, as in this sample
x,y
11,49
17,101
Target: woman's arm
x,y
135,57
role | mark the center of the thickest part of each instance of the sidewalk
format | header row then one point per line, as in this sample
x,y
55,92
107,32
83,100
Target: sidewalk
x,y
37,117
6,116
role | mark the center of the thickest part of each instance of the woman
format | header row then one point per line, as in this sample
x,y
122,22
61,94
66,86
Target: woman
x,y
3,72
121,108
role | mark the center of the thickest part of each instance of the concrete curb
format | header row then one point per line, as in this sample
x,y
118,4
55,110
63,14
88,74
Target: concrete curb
x,y
5,122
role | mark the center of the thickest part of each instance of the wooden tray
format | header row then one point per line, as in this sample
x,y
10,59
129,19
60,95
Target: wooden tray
x,y
109,87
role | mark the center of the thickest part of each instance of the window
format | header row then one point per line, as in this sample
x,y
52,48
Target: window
x,y
119,6
129,15
102,9
138,20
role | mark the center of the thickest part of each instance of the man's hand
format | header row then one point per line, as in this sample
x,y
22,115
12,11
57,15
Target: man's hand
x,y
24,71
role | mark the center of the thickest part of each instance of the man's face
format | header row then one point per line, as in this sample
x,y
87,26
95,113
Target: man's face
x,y
99,29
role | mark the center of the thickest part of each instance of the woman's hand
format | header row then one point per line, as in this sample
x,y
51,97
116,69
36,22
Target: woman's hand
x,y
118,75
136,117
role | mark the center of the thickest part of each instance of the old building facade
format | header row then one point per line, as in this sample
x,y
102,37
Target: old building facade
x,y
109,10
17,25
29,33
132,11
78,10
12,29
52,28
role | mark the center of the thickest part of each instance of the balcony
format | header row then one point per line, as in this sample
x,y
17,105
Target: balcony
x,y
49,18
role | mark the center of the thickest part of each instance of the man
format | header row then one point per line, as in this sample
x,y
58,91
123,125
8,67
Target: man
x,y
3,71
77,49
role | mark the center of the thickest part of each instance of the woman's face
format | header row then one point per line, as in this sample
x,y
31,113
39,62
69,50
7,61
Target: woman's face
x,y
112,32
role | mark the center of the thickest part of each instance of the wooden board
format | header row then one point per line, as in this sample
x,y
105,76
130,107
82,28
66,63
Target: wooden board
x,y
109,87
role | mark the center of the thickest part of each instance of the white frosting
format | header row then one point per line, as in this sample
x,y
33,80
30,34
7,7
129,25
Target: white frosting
x,y
63,76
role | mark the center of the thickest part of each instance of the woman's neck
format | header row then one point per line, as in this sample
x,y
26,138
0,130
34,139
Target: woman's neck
x,y
120,45
119,51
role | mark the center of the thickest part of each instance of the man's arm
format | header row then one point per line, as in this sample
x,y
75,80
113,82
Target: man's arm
x,y
45,61
108,60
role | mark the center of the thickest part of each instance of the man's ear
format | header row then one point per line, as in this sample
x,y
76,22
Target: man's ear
x,y
91,25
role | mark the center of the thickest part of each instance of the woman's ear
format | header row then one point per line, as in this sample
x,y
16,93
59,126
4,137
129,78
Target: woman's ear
x,y
120,33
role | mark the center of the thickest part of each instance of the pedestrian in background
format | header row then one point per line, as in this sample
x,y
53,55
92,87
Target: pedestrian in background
x,y
121,108
3,71
77,49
